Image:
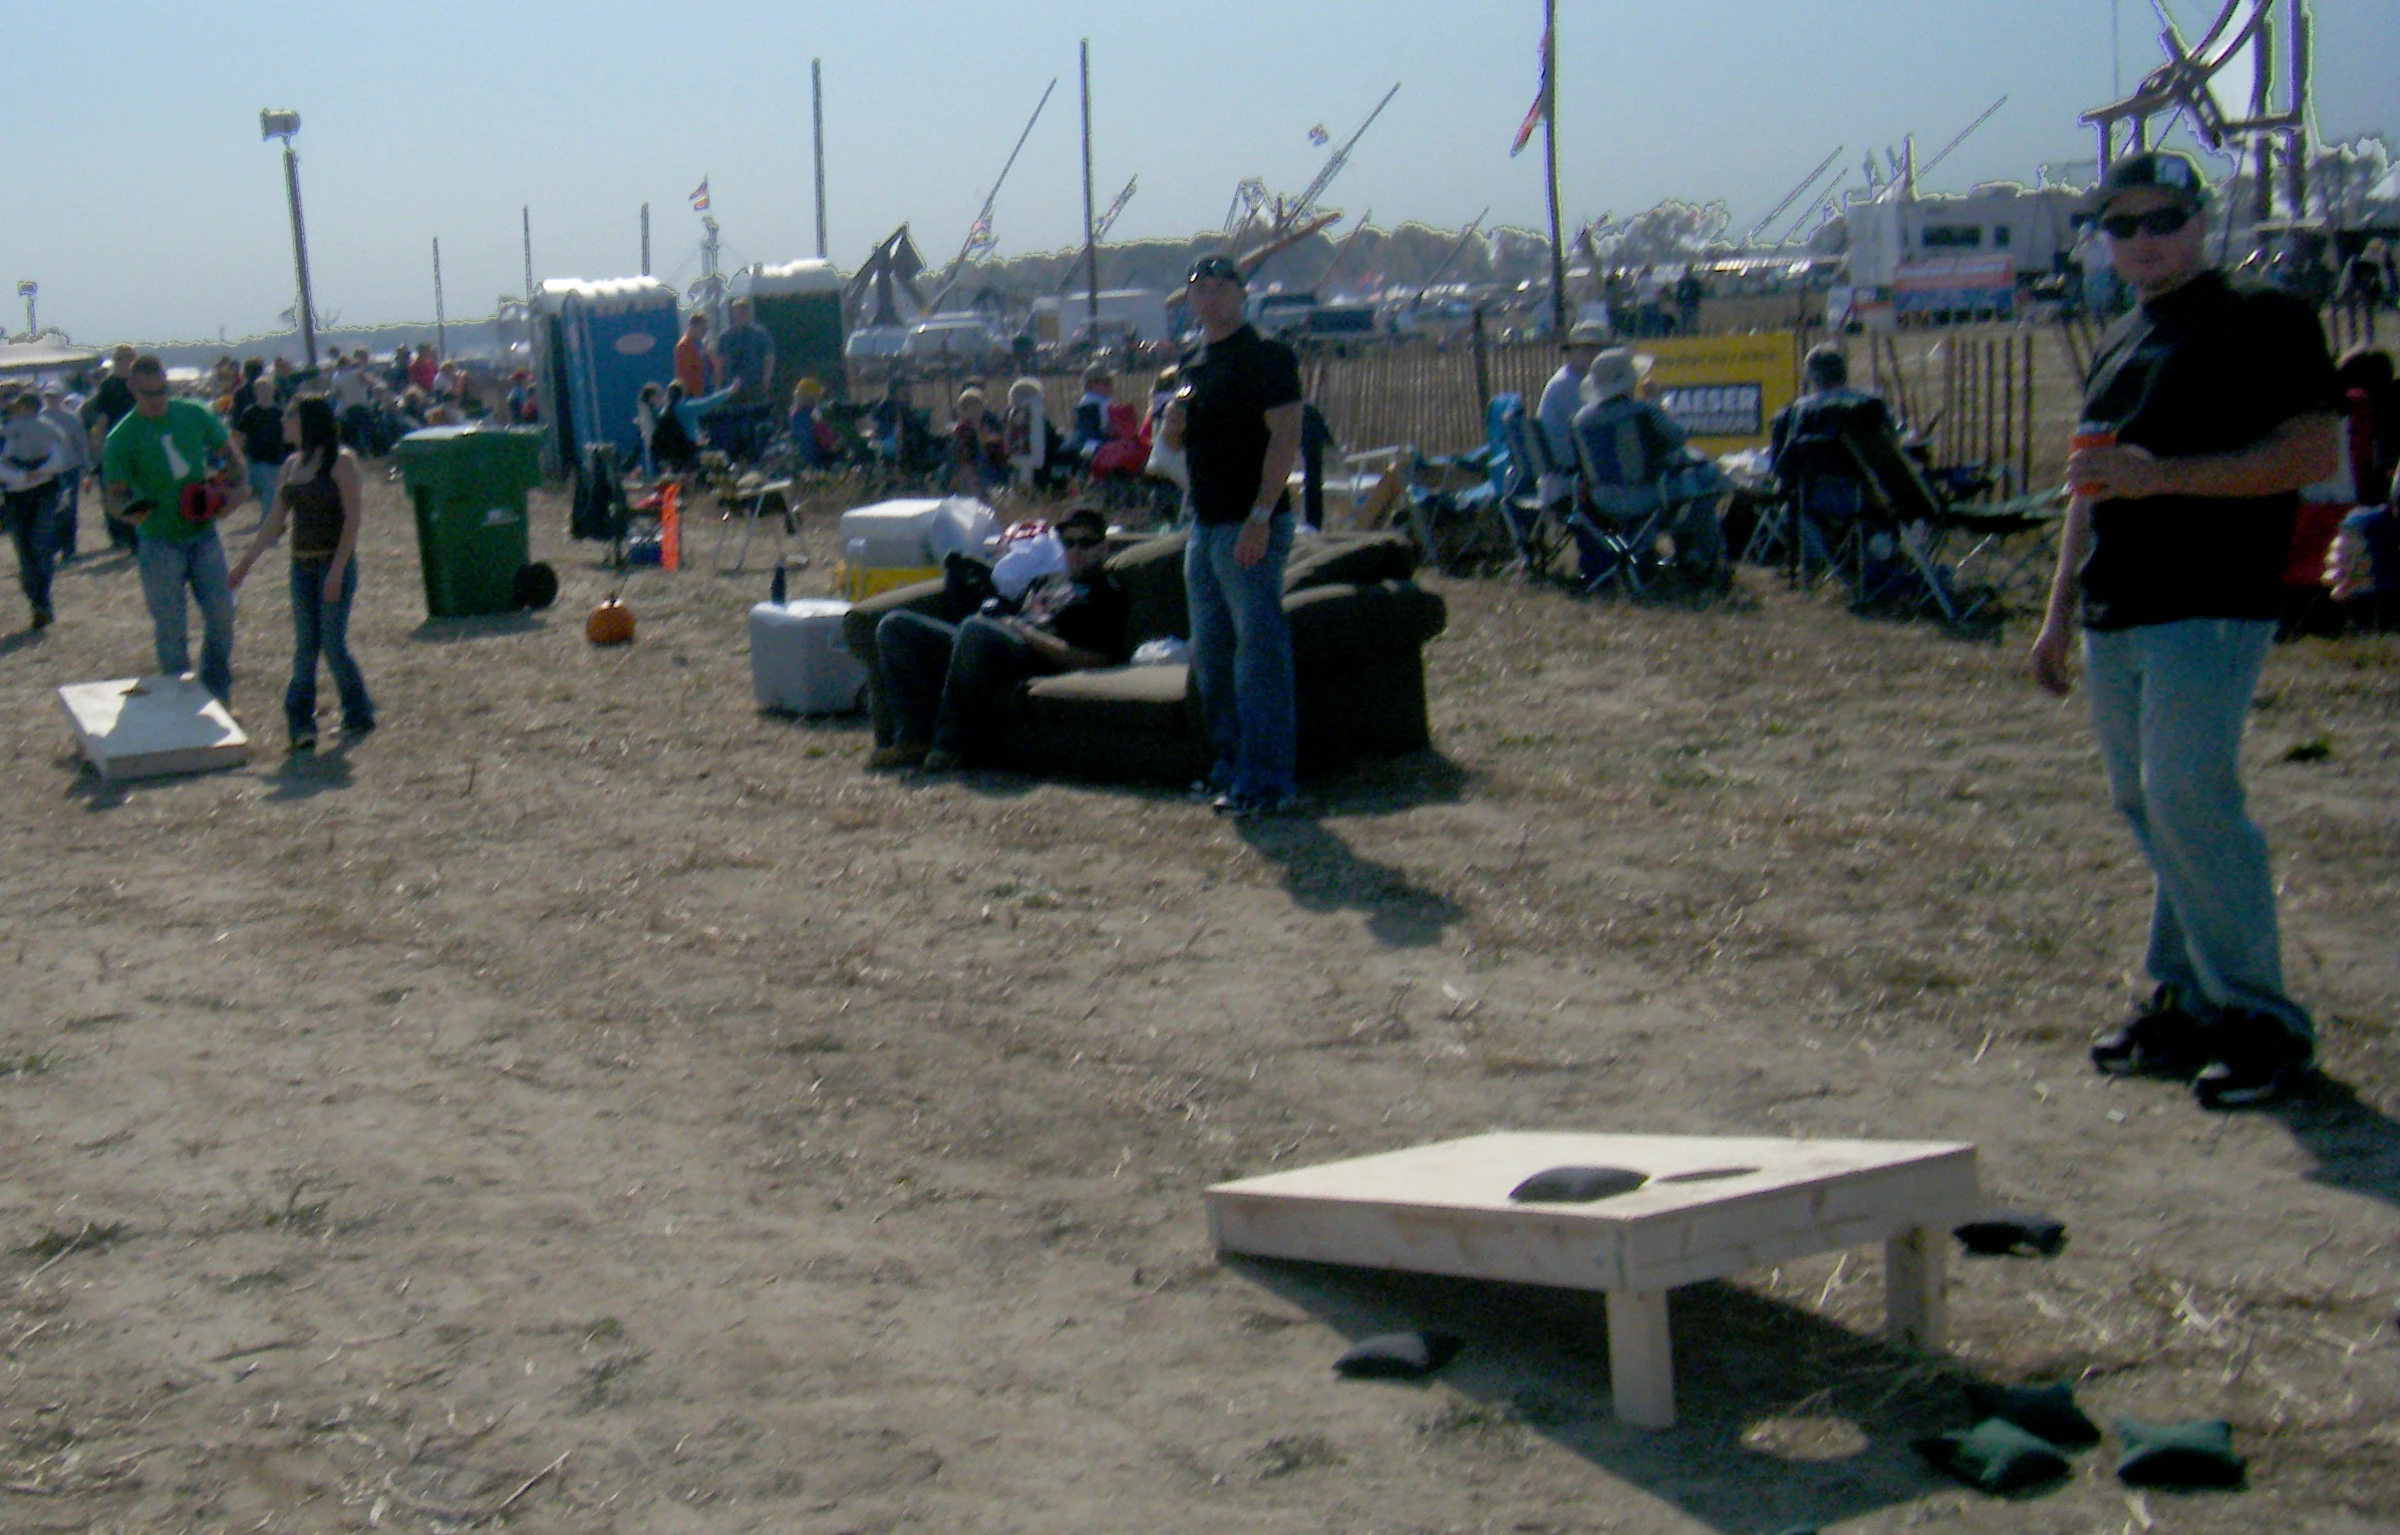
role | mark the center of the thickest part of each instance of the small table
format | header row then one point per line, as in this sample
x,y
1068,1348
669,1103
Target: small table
x,y
1712,1206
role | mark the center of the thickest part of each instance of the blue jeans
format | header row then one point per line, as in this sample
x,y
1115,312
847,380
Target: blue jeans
x,y
69,489
262,485
1242,659
31,531
167,568
321,627
2168,704
948,683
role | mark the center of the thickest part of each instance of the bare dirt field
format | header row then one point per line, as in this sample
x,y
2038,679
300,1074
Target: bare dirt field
x,y
588,1104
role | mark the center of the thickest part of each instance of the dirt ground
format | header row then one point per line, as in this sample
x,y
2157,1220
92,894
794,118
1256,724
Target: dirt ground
x,y
589,1104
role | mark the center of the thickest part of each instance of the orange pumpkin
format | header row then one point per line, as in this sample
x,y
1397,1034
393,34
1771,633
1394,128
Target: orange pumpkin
x,y
611,623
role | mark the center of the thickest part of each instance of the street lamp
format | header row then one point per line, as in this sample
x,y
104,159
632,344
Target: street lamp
x,y
282,125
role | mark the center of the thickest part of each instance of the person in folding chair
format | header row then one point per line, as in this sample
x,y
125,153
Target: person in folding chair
x,y
1824,488
1640,480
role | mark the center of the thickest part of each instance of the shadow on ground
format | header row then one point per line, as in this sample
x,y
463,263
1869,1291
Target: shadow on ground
x,y
2357,1146
1783,1417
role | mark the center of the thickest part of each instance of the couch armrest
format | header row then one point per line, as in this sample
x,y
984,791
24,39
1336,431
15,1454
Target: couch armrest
x,y
1359,624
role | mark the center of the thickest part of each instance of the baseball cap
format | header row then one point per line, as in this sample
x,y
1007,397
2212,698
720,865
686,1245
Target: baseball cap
x,y
1217,266
2160,170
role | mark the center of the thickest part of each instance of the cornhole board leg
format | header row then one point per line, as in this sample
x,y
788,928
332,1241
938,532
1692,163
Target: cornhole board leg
x,y
1641,1359
1915,1279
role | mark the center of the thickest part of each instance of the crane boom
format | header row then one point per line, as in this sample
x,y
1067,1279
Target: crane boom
x,y
983,218
1339,158
1943,153
1793,196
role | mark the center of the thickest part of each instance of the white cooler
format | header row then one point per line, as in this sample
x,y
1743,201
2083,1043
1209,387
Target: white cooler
x,y
890,533
798,660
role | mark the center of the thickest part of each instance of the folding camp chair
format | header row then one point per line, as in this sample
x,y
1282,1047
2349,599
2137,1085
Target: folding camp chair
x,y
2012,548
1615,528
745,505
1893,550
1538,528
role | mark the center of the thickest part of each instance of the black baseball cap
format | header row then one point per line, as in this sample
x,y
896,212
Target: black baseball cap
x,y
1217,266
2161,170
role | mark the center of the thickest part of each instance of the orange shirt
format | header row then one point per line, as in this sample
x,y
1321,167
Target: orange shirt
x,y
691,366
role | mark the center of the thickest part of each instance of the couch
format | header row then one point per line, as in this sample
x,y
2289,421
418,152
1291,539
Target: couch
x,y
1359,625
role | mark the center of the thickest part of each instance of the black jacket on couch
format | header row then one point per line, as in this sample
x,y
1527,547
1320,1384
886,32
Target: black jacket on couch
x,y
1359,625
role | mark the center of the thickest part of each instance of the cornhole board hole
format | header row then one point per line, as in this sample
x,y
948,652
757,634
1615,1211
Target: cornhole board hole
x,y
150,727
1711,1207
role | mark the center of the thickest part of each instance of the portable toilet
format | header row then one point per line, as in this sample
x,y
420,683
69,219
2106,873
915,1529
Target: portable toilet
x,y
596,344
800,304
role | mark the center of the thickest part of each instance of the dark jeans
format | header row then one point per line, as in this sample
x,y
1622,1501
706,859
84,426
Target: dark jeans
x,y
948,682
323,628
31,530
70,494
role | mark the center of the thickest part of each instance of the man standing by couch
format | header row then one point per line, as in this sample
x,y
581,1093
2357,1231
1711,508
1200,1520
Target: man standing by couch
x,y
1237,418
149,459
2216,404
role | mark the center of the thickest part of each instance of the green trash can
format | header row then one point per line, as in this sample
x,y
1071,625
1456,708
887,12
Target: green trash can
x,y
468,485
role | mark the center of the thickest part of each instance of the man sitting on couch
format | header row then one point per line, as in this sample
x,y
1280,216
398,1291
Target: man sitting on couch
x,y
945,681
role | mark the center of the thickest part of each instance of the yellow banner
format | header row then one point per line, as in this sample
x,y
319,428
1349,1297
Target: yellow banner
x,y
1723,390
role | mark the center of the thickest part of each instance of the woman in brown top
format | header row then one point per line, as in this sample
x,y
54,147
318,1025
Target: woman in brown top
x,y
318,493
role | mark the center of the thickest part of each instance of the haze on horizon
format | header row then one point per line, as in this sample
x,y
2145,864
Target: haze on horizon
x,y
147,206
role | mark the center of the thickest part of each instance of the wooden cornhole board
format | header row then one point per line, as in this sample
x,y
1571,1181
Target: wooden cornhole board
x,y
149,727
1714,1206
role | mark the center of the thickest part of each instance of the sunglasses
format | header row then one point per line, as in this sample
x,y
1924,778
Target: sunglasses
x,y
2158,221
1081,543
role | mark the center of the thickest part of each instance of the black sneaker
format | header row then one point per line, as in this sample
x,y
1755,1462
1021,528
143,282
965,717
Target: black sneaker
x,y
2159,1039
2255,1060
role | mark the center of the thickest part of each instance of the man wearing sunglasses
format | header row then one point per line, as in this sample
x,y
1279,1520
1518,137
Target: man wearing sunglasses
x,y
2206,410
946,682
150,457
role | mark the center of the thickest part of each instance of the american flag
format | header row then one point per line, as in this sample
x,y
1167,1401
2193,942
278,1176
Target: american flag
x,y
1319,137
979,235
700,196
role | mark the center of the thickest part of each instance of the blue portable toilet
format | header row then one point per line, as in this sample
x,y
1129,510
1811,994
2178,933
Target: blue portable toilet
x,y
596,345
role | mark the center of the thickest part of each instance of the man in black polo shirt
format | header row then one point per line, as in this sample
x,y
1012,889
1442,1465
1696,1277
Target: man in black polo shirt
x,y
2206,409
1237,419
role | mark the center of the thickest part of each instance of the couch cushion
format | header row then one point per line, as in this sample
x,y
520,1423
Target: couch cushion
x,y
1357,625
1343,559
1131,700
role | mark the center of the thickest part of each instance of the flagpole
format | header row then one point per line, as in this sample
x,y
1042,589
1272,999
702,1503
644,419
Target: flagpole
x,y
1091,239
1558,248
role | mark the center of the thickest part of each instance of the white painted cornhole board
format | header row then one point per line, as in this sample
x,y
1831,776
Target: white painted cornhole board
x,y
149,727
1444,1209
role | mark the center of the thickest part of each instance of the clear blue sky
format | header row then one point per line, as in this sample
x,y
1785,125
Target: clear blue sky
x,y
143,201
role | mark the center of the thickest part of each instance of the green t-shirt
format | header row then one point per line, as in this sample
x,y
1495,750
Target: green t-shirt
x,y
154,460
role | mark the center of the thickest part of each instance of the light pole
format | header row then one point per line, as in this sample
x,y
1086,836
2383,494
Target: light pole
x,y
282,125
26,290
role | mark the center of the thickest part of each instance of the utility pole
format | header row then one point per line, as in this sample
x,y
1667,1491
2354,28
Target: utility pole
x,y
26,290
282,125
645,239
529,253
441,333
816,108
1558,244
1091,239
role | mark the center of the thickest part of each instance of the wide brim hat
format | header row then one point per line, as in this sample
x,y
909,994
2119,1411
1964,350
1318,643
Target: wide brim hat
x,y
1614,372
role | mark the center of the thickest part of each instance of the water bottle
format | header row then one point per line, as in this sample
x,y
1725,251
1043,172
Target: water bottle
x,y
775,590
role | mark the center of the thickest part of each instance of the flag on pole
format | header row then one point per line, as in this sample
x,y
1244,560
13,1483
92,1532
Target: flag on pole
x,y
700,196
1541,103
980,237
1319,137
1108,216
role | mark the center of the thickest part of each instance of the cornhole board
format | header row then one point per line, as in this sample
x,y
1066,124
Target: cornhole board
x,y
1713,1206
150,727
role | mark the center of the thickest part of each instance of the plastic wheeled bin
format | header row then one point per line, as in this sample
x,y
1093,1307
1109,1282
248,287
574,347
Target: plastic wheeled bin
x,y
468,486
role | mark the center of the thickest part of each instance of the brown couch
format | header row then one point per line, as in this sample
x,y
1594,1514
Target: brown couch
x,y
1358,626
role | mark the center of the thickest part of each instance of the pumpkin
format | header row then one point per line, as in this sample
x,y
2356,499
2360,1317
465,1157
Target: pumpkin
x,y
611,623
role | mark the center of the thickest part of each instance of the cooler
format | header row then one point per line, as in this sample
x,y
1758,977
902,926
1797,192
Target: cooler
x,y
798,660
889,544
